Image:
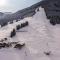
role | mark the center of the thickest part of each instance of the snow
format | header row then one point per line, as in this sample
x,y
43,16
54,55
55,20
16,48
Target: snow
x,y
40,36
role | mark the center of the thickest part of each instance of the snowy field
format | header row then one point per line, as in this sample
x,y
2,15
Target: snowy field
x,y
40,36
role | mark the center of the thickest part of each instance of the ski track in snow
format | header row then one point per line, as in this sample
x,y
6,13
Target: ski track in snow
x,y
40,36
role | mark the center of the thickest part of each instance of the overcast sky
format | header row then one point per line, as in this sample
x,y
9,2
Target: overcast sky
x,y
15,5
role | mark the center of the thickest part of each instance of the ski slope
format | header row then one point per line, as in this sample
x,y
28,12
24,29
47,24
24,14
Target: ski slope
x,y
40,36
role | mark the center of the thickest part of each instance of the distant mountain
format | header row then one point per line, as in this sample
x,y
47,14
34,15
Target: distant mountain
x,y
1,14
7,12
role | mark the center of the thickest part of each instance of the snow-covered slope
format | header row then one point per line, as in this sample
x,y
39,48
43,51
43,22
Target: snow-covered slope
x,y
40,36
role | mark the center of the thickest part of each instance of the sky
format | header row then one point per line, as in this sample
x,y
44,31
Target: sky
x,y
15,5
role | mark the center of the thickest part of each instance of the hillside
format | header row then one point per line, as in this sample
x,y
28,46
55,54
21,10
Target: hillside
x,y
40,36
